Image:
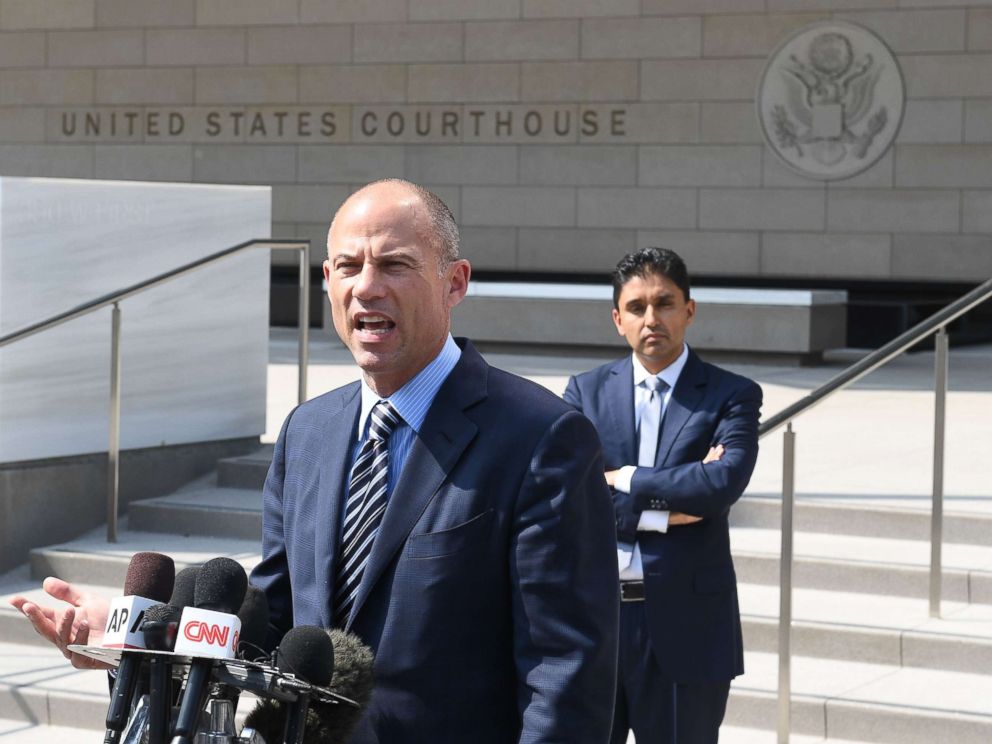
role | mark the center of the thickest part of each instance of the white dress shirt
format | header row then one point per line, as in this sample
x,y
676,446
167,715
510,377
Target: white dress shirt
x,y
629,556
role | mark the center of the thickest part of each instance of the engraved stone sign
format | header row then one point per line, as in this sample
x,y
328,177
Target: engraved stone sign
x,y
831,100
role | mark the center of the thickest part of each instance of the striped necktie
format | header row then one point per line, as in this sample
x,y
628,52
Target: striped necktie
x,y
366,505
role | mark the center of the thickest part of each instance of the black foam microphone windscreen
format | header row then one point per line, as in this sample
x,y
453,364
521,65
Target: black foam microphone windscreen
x,y
307,652
150,575
326,723
184,587
220,586
254,616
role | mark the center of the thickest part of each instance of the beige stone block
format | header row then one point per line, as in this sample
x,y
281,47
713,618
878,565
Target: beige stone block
x,y
353,84
195,46
895,210
636,123
246,12
154,85
408,42
915,30
521,40
761,209
47,161
573,250
471,82
100,124
879,175
468,165
297,124
947,75
260,164
777,174
275,84
521,124
313,203
932,122
352,11
22,49
751,35
489,248
944,166
152,13
95,48
943,257
832,4
144,162
976,212
408,124
578,165
729,123
20,124
977,121
943,3
578,81
213,125
700,80
826,255
698,7
699,165
633,208
635,38
980,30
463,10
579,8
299,45
518,206
709,253
48,87
23,14
353,164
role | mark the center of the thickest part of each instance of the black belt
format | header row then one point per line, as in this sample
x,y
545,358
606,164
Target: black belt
x,y
631,591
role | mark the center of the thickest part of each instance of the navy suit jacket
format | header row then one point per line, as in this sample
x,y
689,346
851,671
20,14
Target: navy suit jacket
x,y
490,598
690,586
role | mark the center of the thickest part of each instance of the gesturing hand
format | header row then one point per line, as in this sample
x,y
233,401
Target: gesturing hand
x,y
81,622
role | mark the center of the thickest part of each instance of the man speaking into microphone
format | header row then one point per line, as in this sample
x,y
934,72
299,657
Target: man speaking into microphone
x,y
453,516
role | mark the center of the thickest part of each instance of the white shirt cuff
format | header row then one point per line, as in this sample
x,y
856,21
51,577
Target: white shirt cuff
x,y
653,521
623,478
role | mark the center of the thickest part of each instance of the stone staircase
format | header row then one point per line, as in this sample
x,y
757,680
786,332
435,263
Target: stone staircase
x,y
869,664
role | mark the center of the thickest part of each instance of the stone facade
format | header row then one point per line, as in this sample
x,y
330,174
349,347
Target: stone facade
x,y
561,132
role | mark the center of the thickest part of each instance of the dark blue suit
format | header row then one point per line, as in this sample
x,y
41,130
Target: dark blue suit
x,y
690,612
490,597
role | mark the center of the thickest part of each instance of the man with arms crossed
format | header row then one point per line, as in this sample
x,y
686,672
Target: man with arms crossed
x,y
680,439
452,515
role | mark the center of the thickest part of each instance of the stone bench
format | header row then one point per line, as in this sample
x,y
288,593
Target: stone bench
x,y
761,324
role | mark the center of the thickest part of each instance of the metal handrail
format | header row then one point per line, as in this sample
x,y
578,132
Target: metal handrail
x,y
115,298
935,325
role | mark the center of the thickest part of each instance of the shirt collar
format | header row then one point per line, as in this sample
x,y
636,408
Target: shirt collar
x,y
414,399
670,374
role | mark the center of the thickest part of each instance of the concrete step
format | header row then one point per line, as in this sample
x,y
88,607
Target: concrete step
x,y
866,627
90,559
23,732
737,735
850,563
212,511
846,514
869,702
247,471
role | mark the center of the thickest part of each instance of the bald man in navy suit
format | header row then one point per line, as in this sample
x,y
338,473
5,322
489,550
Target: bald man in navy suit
x,y
680,440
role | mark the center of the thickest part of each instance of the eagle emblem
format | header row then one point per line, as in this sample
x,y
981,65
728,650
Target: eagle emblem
x,y
828,97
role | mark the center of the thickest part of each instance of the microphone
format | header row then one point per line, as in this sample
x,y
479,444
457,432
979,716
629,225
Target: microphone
x,y
209,630
254,616
150,578
160,626
351,678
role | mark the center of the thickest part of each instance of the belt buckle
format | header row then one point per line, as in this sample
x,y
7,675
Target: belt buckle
x,y
631,591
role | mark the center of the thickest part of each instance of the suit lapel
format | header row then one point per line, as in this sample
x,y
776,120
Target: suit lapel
x,y
335,460
620,401
685,399
442,439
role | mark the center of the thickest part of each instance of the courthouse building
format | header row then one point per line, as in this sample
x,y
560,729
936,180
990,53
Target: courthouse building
x,y
562,133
